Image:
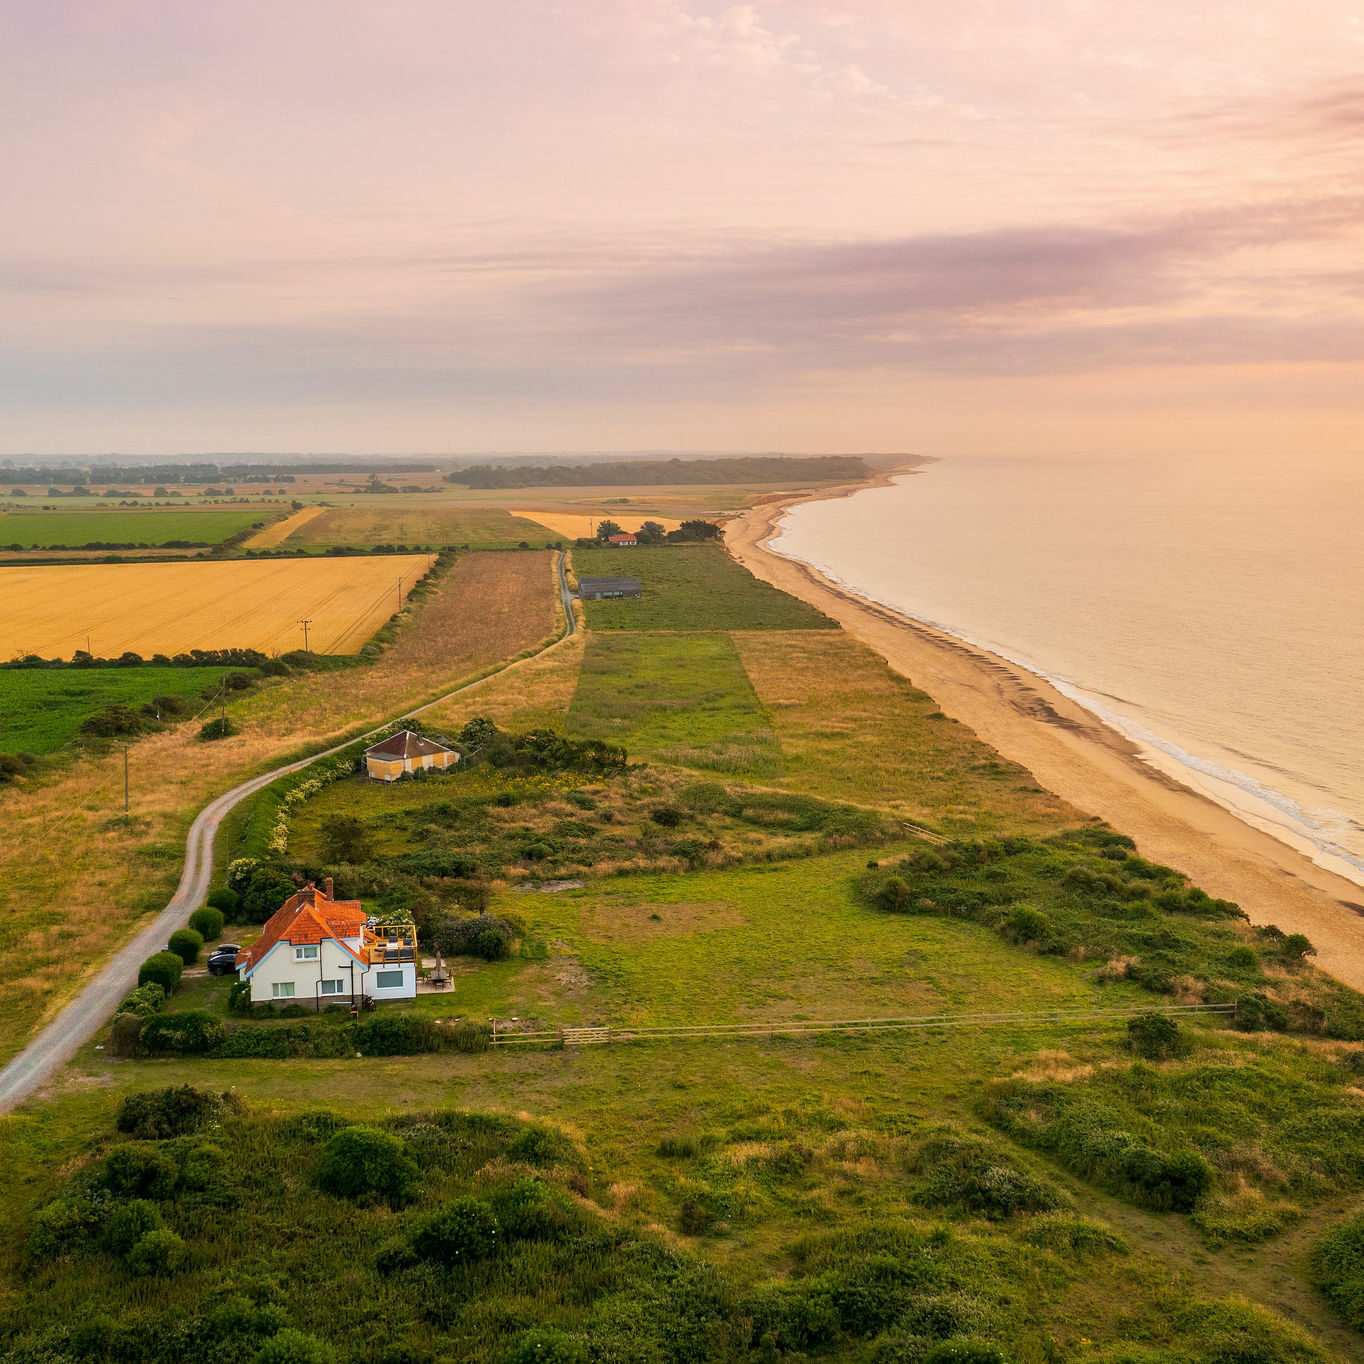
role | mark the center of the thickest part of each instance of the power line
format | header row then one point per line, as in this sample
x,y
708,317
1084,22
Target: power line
x,y
305,624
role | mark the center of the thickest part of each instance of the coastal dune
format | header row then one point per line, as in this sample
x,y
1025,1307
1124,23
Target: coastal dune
x,y
1077,757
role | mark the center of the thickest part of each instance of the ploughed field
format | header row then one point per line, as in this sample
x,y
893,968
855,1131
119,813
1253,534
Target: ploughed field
x,y
172,608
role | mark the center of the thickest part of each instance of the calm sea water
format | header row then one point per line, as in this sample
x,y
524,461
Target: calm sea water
x,y
1212,609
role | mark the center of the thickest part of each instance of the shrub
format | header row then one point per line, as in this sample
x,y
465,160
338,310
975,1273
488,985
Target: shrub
x,y
1244,959
346,838
226,899
894,895
129,1222
66,1224
1255,1011
1338,1269
469,1037
146,999
1155,1036
396,1035
694,1218
964,1352
163,969
461,1232
173,1112
125,1035
191,1032
492,945
239,997
220,727
464,937
1297,947
548,1347
666,816
530,1211
363,1160
294,1347
965,1173
137,1171
207,921
186,943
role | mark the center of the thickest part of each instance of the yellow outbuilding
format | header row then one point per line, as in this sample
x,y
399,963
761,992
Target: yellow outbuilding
x,y
407,752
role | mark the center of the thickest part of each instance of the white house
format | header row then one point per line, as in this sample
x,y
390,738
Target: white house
x,y
317,950
407,752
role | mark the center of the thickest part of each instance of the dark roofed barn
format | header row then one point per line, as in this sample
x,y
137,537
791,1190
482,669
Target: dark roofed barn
x,y
595,589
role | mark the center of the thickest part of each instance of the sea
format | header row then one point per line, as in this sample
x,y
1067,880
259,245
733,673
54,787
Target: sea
x,y
1209,608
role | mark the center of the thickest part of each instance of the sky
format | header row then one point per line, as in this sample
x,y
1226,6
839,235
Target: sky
x,y
1085,226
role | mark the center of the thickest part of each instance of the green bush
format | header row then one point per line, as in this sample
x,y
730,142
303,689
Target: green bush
x,y
207,921
469,1037
964,1352
172,1112
125,1035
220,727
266,890
471,936
129,1222
363,1160
894,895
1255,1011
346,838
459,1233
531,1211
186,943
1155,1036
548,1347
66,1224
294,1347
396,1035
163,969
132,1170
146,999
225,899
191,1032
969,1174
1338,1269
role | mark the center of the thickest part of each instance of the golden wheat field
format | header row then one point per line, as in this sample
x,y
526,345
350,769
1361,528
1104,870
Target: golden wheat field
x,y
172,608
575,524
280,531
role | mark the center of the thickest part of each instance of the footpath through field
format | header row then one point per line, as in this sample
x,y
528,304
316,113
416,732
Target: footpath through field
x,y
81,1019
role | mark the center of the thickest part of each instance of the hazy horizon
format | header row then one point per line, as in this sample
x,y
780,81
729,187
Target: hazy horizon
x,y
633,224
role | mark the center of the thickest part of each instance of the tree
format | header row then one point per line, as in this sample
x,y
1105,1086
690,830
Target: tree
x,y
651,533
700,530
606,529
266,891
346,838
208,921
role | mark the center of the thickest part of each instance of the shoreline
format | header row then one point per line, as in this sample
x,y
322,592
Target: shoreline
x,y
1071,752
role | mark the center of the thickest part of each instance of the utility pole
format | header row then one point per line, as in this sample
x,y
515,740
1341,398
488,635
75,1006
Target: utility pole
x,y
400,594
305,624
125,779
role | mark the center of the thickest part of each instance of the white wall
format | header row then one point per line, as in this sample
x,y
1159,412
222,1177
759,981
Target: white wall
x,y
333,963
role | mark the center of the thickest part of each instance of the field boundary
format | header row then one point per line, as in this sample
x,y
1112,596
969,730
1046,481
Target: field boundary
x,y
601,1034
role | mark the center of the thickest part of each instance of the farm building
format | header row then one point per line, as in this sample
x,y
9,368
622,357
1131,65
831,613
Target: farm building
x,y
595,589
407,752
623,539
319,950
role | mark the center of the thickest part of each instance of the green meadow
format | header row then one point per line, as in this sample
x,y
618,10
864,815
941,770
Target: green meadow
x,y
695,587
43,708
72,529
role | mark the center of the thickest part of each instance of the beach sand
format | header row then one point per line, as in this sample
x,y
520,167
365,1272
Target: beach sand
x,y
1073,754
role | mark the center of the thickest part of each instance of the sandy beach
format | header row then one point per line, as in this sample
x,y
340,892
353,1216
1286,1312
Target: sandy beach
x,y
1072,753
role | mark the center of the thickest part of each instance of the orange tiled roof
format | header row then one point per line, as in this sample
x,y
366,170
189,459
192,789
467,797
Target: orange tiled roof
x,y
307,916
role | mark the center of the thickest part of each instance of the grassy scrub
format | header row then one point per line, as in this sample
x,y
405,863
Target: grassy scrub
x,y
41,709
681,699
152,526
695,587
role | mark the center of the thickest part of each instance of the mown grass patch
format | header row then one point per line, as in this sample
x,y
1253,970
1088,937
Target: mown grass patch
x,y
681,699
42,709
694,587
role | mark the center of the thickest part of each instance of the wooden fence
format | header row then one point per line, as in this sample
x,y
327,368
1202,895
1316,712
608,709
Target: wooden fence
x,y
599,1035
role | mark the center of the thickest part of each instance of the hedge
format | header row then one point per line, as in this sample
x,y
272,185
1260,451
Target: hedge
x,y
163,969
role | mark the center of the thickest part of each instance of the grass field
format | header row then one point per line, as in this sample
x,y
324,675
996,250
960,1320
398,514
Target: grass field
x,y
379,522
678,698
171,608
153,526
691,588
41,709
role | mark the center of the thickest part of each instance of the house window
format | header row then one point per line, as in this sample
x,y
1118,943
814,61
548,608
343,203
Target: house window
x,y
388,980
306,953
282,989
333,987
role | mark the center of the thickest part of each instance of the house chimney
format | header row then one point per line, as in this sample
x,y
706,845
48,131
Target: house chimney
x,y
330,884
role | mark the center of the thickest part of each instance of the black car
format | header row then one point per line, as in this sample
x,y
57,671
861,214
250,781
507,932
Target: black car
x,y
223,962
